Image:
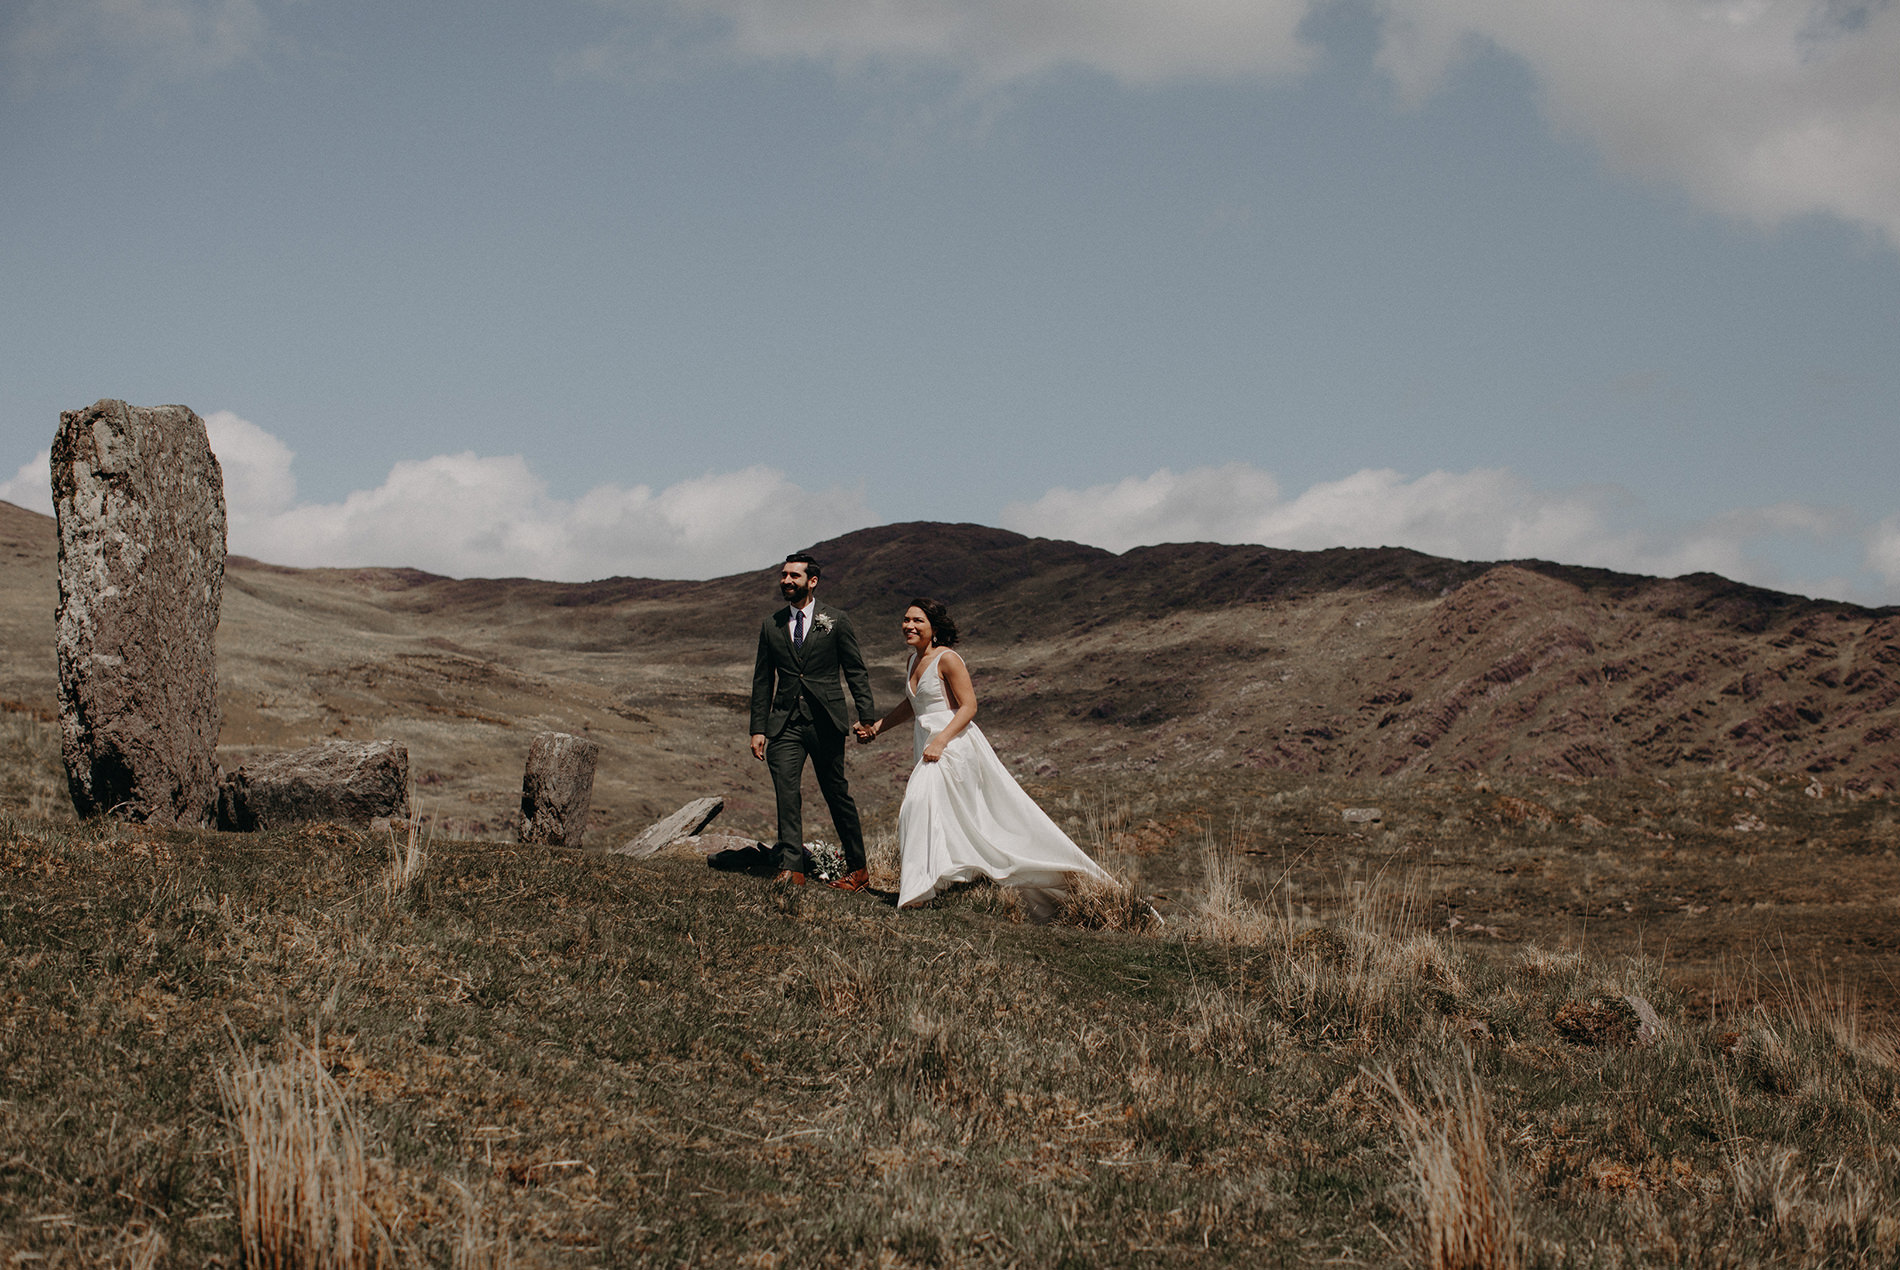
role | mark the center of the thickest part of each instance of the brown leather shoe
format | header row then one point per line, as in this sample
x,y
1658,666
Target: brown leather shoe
x,y
786,875
856,880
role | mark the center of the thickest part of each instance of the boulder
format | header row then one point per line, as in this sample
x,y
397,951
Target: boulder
x,y
1613,1022
140,504
346,782
1362,815
556,789
683,823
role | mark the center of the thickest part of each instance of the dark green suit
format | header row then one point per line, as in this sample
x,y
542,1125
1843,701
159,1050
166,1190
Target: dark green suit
x,y
798,705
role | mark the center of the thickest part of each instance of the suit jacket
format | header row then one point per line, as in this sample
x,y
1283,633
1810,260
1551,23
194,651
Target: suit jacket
x,y
781,675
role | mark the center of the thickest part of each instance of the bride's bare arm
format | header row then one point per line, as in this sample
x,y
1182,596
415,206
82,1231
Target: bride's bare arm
x,y
900,713
962,693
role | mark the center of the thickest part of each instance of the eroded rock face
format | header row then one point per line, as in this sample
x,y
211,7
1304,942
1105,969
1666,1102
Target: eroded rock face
x,y
343,782
556,790
140,502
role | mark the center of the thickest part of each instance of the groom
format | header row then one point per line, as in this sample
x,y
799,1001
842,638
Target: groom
x,y
798,713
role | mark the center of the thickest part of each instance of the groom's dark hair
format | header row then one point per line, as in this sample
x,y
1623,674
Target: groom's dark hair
x,y
804,558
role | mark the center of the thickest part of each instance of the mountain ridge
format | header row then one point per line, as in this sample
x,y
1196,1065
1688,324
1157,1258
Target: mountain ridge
x,y
1350,663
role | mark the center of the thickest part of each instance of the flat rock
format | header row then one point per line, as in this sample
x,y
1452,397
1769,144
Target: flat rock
x,y
683,823
139,499
557,788
1362,815
352,783
714,843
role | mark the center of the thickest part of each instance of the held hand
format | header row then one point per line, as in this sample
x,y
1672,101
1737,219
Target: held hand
x,y
867,732
758,746
934,749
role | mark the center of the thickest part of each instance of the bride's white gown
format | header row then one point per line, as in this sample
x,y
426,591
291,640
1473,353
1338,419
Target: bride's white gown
x,y
965,816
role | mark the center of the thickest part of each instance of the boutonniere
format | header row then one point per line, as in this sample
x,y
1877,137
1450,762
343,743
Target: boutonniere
x,y
822,622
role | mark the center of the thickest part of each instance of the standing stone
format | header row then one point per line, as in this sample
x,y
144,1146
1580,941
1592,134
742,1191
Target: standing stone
x,y
140,502
556,789
344,782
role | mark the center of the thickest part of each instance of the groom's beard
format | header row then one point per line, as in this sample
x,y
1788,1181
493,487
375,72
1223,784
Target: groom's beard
x,y
796,596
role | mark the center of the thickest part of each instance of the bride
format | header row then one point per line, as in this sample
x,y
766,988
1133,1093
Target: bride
x,y
964,816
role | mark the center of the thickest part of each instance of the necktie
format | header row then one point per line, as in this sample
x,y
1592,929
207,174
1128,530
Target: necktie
x,y
798,628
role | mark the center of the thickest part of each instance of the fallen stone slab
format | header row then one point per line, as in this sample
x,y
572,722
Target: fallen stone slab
x,y
139,499
557,788
1362,815
714,843
683,823
345,782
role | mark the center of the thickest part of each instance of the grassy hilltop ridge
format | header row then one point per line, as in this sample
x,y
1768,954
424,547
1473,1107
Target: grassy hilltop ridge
x,y
559,1059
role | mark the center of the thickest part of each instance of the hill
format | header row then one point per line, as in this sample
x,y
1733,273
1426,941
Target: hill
x,y
1355,664
1564,753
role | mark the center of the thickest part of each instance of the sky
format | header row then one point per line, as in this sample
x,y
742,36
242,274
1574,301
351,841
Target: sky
x,y
670,287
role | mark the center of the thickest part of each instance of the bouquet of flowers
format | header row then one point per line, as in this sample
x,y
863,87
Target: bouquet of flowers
x,y
824,860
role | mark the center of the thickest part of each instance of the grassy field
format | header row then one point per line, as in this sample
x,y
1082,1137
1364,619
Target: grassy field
x,y
318,1047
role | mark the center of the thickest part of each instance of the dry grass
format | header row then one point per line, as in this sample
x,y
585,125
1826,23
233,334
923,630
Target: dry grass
x,y
1466,1218
32,775
303,1198
408,856
477,1245
558,1059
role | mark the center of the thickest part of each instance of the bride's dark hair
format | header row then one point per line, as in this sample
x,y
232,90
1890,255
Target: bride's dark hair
x,y
943,631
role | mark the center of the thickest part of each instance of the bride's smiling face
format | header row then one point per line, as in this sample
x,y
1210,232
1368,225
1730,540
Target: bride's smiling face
x,y
916,627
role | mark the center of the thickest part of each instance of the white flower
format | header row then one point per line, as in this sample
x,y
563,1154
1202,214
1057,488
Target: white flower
x,y
822,622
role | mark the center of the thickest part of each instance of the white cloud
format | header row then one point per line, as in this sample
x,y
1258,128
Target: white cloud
x,y
473,515
257,477
991,42
1485,514
1762,109
470,515
32,486
1883,553
49,41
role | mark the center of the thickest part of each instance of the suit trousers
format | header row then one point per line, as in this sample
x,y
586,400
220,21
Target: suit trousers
x,y
785,755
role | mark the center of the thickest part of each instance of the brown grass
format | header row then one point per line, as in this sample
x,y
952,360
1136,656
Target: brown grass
x,y
302,1177
408,856
556,1059
1466,1218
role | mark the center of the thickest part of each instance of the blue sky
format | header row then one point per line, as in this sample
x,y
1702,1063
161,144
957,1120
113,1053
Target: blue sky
x,y
607,286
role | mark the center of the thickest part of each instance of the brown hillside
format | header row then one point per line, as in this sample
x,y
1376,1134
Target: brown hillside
x,y
1358,663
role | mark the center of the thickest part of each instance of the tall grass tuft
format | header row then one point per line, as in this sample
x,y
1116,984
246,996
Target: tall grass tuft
x,y
1467,1214
475,1247
408,857
302,1180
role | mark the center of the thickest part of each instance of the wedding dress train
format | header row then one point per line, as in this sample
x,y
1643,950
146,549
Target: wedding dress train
x,y
965,816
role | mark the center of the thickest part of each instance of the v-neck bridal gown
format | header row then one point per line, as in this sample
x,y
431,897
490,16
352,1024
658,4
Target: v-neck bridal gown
x,y
965,817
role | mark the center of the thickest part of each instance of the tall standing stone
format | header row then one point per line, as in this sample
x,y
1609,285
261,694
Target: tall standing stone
x,y
140,502
556,789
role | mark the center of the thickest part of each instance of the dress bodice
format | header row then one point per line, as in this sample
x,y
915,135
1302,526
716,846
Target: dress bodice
x,y
928,697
